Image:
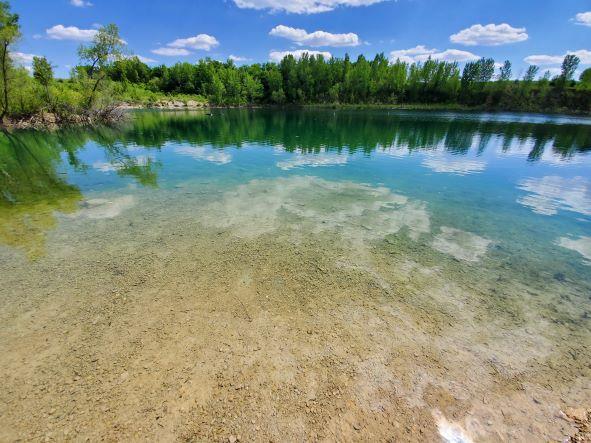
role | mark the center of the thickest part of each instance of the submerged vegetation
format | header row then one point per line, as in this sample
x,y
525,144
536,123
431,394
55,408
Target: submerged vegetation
x,y
108,76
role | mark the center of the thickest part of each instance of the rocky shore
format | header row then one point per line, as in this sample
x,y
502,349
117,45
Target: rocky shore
x,y
109,115
52,121
166,105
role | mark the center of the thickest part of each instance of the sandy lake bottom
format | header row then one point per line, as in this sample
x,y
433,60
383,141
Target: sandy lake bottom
x,y
293,300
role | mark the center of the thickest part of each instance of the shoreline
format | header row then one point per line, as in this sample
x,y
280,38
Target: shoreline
x,y
48,121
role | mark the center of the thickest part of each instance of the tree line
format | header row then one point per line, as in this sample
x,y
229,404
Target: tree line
x,y
312,79
107,74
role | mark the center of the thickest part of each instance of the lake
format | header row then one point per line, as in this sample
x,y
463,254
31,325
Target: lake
x,y
297,275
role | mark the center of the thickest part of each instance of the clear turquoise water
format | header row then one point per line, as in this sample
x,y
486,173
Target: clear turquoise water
x,y
522,181
450,250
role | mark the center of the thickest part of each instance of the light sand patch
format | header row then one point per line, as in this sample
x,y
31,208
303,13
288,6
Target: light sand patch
x,y
581,245
548,195
450,432
313,161
460,244
202,153
359,212
99,208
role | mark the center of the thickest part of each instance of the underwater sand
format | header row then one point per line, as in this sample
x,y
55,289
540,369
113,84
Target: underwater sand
x,y
302,306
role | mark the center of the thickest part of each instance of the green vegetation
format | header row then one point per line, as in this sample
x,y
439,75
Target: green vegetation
x,y
314,80
107,76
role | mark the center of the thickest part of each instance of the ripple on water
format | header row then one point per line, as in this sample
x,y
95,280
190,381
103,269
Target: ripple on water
x,y
312,161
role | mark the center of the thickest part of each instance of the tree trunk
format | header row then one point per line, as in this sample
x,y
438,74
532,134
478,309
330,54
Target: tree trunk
x,y
5,79
91,98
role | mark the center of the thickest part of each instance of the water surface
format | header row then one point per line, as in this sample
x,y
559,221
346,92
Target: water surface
x,y
434,267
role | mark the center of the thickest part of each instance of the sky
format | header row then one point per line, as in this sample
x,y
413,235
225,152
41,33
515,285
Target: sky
x,y
254,31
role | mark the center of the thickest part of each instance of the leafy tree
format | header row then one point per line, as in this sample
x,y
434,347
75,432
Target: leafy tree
x,y
9,33
486,69
569,66
43,73
585,78
105,48
505,74
530,73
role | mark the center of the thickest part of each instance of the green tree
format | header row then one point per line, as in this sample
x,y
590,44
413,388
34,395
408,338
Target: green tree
x,y
505,74
43,73
530,73
585,77
9,33
569,66
105,48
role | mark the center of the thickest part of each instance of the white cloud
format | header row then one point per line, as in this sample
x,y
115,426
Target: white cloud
x,y
61,32
302,6
408,55
181,46
583,18
201,41
553,72
548,195
422,53
170,52
452,165
216,156
544,59
144,59
23,59
581,245
313,161
541,59
80,3
277,56
489,35
315,39
238,58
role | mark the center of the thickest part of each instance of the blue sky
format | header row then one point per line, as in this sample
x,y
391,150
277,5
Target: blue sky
x,y
167,31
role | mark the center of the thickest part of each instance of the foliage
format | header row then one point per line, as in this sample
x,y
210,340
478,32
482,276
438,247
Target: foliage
x,y
107,76
42,71
9,33
569,66
106,47
585,79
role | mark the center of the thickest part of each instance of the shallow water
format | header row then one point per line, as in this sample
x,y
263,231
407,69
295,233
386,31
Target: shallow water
x,y
432,269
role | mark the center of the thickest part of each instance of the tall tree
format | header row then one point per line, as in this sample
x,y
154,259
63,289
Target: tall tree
x,y
505,74
569,66
43,73
106,48
530,74
9,33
